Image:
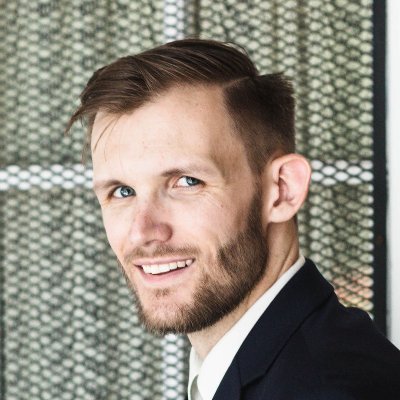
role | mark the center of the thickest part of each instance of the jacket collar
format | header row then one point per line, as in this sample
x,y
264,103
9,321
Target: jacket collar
x,y
296,301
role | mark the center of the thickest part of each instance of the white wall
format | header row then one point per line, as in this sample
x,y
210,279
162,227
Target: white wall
x,y
393,153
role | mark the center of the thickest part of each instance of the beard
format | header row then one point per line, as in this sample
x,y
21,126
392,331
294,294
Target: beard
x,y
228,280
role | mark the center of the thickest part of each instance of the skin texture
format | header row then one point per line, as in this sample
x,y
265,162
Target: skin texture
x,y
229,277
174,184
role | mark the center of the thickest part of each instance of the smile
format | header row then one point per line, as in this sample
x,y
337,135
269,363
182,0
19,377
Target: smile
x,y
156,269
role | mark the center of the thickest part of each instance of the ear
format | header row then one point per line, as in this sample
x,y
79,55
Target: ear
x,y
286,180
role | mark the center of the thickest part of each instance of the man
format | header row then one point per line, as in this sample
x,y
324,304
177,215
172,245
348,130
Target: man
x,y
199,186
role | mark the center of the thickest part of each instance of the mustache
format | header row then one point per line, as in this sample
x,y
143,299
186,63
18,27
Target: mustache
x,y
161,250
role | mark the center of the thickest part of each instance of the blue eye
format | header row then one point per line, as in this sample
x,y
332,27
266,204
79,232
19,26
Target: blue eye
x,y
188,181
123,191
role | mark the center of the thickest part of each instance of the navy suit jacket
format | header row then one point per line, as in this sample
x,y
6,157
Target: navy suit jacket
x,y
307,346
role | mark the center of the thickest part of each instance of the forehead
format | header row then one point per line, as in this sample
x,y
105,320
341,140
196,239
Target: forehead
x,y
189,121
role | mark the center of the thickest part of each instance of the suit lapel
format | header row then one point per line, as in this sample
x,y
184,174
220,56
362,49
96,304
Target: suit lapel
x,y
230,387
300,296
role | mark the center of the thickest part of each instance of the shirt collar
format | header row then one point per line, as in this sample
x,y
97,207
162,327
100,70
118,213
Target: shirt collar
x,y
212,369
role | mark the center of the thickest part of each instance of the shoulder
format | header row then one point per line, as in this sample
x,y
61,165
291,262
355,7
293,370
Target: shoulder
x,y
336,354
308,346
349,354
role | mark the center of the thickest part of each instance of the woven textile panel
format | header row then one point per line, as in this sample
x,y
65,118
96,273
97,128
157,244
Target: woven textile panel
x,y
68,327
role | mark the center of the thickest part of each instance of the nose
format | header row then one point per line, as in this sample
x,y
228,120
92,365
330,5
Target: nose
x,y
150,226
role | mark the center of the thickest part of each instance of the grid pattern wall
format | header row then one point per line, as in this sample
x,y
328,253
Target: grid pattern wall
x,y
68,328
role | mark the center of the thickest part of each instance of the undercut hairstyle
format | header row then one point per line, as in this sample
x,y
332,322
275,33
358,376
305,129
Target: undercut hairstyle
x,y
261,107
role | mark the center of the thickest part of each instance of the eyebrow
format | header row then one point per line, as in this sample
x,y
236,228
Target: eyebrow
x,y
189,168
105,184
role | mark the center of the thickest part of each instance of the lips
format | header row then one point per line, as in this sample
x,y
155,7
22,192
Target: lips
x,y
162,268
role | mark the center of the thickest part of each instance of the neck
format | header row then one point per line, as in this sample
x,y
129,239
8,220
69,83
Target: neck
x,y
283,253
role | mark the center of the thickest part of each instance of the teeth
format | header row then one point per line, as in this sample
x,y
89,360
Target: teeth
x,y
155,269
163,268
147,269
173,266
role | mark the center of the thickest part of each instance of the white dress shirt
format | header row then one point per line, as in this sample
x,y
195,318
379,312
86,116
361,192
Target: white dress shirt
x,y
205,376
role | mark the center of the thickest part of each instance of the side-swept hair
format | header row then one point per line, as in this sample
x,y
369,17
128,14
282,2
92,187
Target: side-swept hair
x,y
262,107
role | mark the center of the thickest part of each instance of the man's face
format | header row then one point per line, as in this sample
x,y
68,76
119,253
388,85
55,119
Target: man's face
x,y
180,208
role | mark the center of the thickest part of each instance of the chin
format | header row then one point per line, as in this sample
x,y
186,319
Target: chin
x,y
162,314
162,321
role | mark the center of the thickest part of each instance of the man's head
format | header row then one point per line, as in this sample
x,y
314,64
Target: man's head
x,y
192,167
262,107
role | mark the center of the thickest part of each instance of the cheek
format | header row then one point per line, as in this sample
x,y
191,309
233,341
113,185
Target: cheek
x,y
226,215
116,231
208,223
